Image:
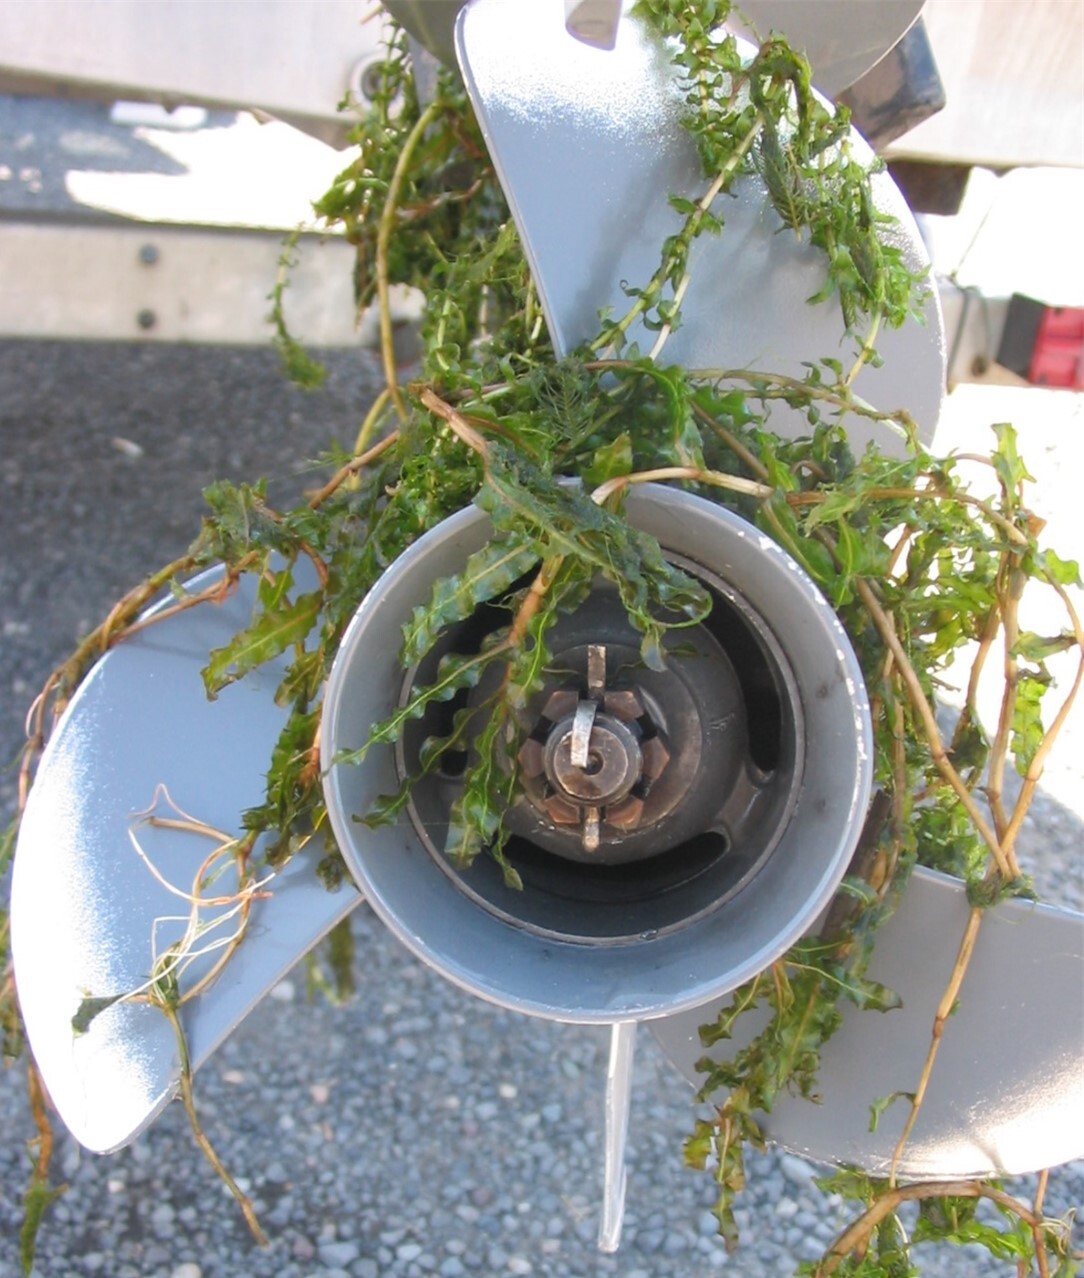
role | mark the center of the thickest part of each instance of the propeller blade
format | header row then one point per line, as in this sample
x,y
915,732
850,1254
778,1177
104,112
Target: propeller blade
x,y
841,39
89,912
1006,1095
589,144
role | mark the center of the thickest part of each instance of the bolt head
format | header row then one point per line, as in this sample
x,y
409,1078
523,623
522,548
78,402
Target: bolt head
x,y
624,704
655,755
626,814
561,811
531,758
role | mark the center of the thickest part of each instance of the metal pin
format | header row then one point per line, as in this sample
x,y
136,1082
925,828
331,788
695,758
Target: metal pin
x,y
582,723
592,820
596,669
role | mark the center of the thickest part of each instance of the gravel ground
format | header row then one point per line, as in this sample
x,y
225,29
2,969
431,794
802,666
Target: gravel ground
x,y
418,1131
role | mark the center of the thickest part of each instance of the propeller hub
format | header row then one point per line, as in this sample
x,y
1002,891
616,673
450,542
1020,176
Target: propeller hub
x,y
611,763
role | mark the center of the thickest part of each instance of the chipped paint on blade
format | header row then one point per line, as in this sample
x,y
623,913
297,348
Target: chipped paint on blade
x,y
589,143
1007,1092
86,910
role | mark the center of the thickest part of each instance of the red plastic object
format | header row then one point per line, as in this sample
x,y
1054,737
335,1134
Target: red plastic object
x,y
1057,358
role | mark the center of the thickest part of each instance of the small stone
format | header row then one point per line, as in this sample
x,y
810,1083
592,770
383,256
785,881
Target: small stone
x,y
320,1093
367,1268
508,1091
233,1076
408,1251
303,1248
486,1110
452,1268
189,1269
519,1265
797,1171
339,1253
786,1207
283,992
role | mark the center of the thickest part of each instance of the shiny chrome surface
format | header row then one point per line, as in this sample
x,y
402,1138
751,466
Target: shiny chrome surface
x,y
589,144
87,911
1007,1091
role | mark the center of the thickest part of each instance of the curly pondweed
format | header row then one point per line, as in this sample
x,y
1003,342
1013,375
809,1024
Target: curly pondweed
x,y
920,571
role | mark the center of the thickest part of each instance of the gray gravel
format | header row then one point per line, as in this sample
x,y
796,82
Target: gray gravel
x,y
418,1131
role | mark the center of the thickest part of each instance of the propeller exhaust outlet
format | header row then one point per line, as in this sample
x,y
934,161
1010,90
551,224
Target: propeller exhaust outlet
x,y
676,829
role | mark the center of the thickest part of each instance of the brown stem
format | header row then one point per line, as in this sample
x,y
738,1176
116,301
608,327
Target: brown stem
x,y
733,443
944,1011
205,1145
986,643
383,241
533,599
1010,530
44,1154
1011,582
1038,762
54,694
858,1234
941,760
459,424
351,468
735,483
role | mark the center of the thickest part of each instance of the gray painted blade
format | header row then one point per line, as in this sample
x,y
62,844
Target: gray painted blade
x,y
1006,1095
84,904
588,144
842,39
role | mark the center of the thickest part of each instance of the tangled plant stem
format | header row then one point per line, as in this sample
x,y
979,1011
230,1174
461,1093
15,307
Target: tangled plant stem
x,y
916,567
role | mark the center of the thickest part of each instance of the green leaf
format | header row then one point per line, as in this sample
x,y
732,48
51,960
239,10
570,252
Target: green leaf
x,y
610,461
1008,463
1066,572
882,1103
1033,647
454,673
487,574
1027,723
283,625
89,1008
39,1197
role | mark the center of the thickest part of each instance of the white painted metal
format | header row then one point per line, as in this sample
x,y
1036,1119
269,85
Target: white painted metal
x,y
589,144
91,283
618,1107
293,60
1014,83
1006,1095
841,38
88,913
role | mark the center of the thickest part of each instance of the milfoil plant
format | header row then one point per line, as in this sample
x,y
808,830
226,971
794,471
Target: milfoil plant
x,y
917,568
